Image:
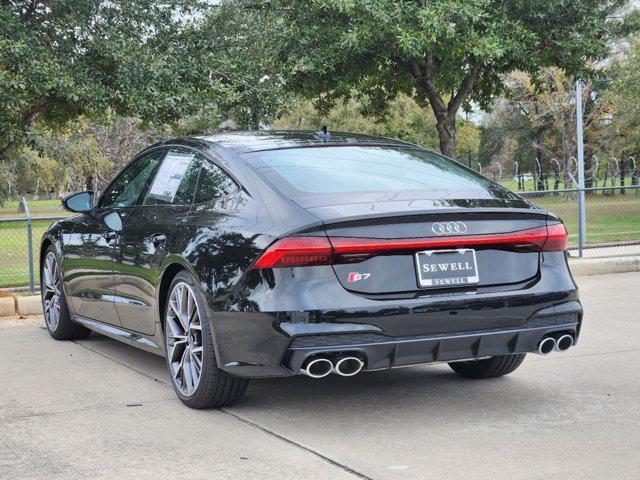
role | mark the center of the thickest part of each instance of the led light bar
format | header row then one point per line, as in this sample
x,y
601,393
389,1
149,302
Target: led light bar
x,y
307,251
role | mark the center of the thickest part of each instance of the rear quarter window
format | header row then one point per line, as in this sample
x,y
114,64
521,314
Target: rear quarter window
x,y
214,183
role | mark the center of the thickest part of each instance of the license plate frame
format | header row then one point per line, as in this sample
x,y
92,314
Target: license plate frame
x,y
427,279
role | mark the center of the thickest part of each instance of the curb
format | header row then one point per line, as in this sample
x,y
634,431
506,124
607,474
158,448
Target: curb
x,y
7,306
13,305
580,267
29,305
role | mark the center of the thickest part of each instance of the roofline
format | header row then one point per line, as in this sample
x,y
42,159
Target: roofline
x,y
360,140
328,145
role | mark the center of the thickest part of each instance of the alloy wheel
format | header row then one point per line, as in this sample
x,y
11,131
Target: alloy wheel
x,y
184,338
52,292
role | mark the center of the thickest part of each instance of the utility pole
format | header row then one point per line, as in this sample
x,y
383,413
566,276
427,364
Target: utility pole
x,y
582,220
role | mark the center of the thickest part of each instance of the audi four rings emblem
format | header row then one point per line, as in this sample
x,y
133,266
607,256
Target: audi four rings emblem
x,y
448,228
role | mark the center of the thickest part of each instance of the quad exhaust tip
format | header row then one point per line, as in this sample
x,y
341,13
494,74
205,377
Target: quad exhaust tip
x,y
560,342
348,366
547,345
320,367
564,342
317,368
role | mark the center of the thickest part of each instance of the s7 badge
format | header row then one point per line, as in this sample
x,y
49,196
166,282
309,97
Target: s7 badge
x,y
356,277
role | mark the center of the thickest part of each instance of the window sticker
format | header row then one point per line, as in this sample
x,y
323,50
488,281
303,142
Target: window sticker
x,y
170,175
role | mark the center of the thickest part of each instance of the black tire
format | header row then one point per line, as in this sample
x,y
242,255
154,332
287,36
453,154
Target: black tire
x,y
488,368
65,329
216,388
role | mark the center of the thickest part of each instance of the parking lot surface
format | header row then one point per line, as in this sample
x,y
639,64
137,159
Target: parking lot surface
x,y
100,409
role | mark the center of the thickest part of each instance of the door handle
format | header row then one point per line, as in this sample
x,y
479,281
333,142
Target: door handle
x,y
158,239
110,236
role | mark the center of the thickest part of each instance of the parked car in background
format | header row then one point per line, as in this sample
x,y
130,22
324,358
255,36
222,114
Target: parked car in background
x,y
526,177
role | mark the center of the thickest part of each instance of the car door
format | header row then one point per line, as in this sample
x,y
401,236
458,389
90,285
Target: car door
x,y
94,242
164,204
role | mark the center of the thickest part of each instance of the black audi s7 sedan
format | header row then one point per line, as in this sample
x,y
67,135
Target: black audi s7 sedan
x,y
266,254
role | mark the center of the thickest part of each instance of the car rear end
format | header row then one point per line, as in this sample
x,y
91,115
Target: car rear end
x,y
414,259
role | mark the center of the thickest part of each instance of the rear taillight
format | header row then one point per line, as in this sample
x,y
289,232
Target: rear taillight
x,y
306,251
557,238
296,252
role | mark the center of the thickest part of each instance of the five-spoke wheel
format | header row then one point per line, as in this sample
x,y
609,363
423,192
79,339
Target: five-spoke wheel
x,y
190,350
54,304
184,338
51,292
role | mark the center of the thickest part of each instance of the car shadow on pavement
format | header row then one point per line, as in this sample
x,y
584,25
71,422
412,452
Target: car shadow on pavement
x,y
432,387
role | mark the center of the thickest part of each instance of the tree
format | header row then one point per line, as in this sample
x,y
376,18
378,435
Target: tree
x,y
231,46
539,115
623,96
447,54
65,58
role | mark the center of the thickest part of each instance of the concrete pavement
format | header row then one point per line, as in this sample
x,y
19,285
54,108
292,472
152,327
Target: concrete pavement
x,y
100,409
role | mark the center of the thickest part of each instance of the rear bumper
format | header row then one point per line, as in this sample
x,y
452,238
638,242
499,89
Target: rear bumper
x,y
281,354
278,323
381,351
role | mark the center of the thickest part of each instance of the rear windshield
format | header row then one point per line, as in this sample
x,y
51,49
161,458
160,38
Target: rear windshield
x,y
333,171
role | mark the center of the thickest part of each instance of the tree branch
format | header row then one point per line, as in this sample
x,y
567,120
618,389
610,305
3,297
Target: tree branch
x,y
27,117
423,76
465,89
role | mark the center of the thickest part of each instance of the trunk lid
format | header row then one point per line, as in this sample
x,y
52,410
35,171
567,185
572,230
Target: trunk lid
x,y
397,231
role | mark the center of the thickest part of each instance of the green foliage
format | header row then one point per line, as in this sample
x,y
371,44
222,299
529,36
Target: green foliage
x,y
242,73
57,163
537,119
404,120
624,95
80,154
65,58
445,53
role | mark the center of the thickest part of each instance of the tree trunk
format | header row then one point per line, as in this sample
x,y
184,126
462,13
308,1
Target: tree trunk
x,y
588,166
567,180
541,177
447,135
445,113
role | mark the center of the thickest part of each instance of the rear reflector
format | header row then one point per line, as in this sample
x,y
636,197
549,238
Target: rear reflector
x,y
306,251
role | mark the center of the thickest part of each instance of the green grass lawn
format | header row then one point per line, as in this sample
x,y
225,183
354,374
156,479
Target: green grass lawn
x,y
609,219
37,208
14,266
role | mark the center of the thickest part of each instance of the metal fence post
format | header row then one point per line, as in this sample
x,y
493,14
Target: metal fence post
x,y
32,282
582,216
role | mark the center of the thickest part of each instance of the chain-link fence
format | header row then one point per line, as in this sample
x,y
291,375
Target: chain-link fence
x,y
612,218
22,224
612,227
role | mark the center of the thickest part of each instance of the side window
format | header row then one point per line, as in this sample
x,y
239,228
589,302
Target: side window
x,y
214,183
126,188
175,180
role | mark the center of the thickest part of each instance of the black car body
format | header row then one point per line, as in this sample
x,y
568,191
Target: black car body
x,y
298,255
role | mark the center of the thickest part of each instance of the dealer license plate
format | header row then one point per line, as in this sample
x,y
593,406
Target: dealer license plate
x,y
447,268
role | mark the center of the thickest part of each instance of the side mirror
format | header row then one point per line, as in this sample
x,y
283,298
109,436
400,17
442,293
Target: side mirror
x,y
78,202
113,221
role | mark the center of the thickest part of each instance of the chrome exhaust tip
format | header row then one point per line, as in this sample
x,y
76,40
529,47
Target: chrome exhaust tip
x,y
546,346
348,366
317,368
564,342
